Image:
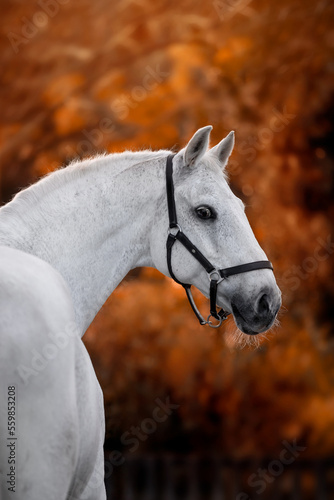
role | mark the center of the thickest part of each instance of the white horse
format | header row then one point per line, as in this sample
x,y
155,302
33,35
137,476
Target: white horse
x,y
66,243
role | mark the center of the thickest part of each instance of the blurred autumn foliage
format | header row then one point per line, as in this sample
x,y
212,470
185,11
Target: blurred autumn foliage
x,y
81,77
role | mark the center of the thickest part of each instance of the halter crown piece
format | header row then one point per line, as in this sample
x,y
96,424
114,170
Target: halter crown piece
x,y
216,276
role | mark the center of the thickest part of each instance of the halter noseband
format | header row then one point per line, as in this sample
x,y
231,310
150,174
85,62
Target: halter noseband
x,y
215,275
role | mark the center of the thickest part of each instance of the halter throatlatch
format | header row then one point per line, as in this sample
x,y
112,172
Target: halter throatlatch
x,y
175,233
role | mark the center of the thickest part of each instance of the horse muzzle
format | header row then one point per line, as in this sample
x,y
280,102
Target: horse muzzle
x,y
256,316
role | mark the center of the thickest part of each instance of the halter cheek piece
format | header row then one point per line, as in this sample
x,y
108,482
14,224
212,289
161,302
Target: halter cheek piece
x,y
175,233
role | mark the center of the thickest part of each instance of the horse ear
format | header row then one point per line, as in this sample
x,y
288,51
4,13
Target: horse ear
x,y
223,150
197,146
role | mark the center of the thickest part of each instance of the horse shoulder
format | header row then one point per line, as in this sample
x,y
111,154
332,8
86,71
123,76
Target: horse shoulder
x,y
35,304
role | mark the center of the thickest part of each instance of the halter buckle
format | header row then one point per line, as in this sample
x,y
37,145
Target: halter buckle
x,y
214,273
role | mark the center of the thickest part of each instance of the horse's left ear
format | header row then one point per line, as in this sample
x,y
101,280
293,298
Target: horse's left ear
x,y
197,146
223,150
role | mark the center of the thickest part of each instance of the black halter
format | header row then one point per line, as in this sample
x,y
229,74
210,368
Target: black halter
x,y
215,275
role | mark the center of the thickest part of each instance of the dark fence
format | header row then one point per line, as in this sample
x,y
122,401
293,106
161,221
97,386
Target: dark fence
x,y
214,478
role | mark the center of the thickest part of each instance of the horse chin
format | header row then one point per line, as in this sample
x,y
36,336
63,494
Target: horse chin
x,y
245,328
241,323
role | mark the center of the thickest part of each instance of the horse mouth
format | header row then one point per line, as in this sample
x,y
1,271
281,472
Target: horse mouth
x,y
243,324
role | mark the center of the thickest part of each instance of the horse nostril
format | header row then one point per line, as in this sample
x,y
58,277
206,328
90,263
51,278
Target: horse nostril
x,y
263,304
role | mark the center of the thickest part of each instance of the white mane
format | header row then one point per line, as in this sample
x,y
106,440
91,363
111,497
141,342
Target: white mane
x,y
52,181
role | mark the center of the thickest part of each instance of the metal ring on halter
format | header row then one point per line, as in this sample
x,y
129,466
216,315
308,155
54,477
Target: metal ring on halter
x,y
211,325
217,273
177,227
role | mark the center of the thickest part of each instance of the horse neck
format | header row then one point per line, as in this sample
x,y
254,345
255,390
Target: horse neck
x,y
91,223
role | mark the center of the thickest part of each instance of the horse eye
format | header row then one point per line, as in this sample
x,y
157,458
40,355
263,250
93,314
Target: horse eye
x,y
205,212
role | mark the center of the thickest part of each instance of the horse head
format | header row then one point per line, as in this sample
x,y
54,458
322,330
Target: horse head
x,y
214,219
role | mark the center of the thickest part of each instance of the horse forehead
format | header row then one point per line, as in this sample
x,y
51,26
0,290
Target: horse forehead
x,y
210,184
